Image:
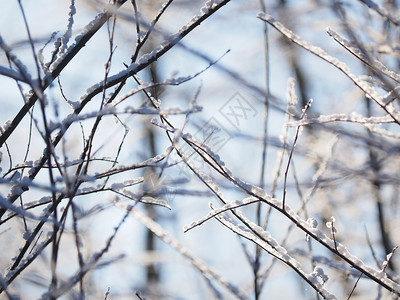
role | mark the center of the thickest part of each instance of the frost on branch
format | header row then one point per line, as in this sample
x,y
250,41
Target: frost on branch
x,y
118,131
269,244
207,271
213,213
364,86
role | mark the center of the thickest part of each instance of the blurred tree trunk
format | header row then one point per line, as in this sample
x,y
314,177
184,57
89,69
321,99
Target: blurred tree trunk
x,y
152,269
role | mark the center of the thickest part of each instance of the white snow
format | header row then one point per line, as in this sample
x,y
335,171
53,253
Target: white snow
x,y
313,222
268,243
62,42
117,186
68,33
6,125
319,272
215,212
26,235
367,88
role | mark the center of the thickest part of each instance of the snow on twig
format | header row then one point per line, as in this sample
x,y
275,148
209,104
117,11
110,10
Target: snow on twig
x,y
338,248
169,81
151,162
250,230
353,117
382,11
146,59
68,33
367,89
298,132
264,239
57,66
328,262
382,131
255,191
111,110
23,71
370,61
80,40
368,122
215,212
207,271
4,203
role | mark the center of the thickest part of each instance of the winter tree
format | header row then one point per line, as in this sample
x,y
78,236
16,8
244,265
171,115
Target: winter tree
x,y
199,149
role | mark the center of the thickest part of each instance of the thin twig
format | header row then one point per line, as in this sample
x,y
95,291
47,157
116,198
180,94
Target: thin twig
x,y
354,287
291,153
